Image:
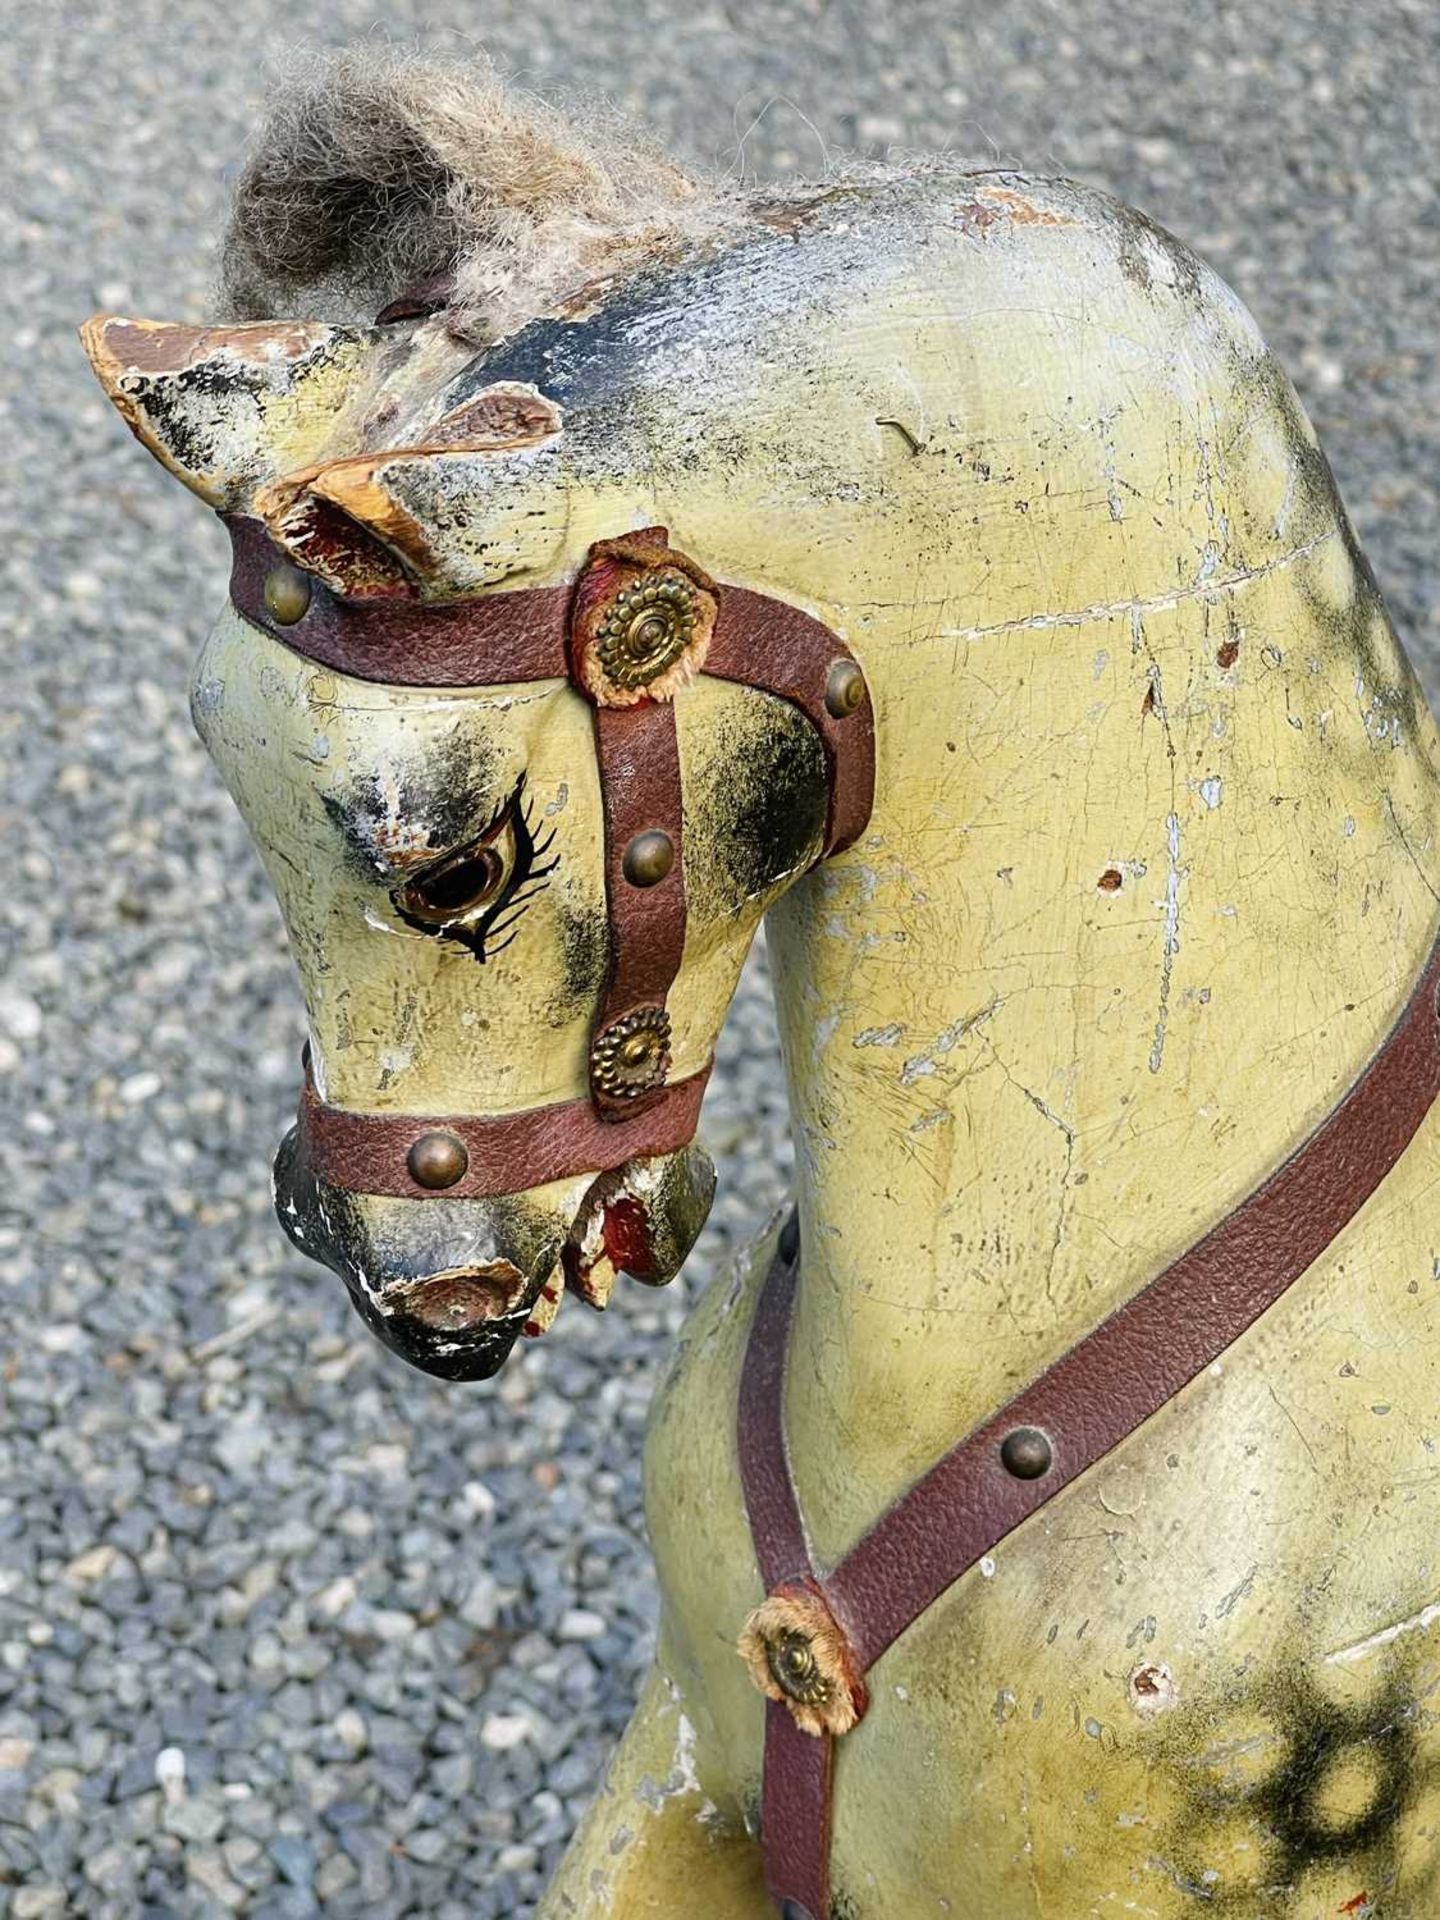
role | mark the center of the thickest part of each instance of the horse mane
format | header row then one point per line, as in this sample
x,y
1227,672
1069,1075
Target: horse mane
x,y
378,168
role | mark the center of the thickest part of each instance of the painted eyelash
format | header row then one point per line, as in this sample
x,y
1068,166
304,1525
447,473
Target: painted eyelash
x,y
528,878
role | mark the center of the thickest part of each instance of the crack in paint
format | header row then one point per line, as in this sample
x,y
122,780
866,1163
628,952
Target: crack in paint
x,y
1175,873
1203,589
1420,1622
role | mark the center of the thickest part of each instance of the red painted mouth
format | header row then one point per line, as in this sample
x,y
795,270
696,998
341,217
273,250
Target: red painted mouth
x,y
611,1236
626,1234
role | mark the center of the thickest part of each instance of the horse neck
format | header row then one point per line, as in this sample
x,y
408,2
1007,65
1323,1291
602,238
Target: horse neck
x,y
1141,893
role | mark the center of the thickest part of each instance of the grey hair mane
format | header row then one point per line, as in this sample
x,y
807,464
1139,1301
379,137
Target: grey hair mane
x,y
376,169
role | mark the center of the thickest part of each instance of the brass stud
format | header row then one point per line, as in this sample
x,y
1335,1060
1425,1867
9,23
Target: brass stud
x,y
437,1160
796,1671
844,689
1026,1453
648,858
287,594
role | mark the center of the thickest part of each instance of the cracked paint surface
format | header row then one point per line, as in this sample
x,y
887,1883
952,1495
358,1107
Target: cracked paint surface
x,y
1082,1078
1033,462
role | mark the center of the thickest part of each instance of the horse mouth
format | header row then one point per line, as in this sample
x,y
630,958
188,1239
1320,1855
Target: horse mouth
x,y
459,1323
458,1318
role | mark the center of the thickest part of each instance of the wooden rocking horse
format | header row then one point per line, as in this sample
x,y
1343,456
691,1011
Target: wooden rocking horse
x,y
935,560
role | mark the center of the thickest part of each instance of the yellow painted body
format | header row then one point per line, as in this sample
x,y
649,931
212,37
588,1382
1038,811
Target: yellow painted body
x,y
1151,871
1019,1094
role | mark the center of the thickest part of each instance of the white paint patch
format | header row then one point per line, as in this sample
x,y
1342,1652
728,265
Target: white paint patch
x,y
1171,905
1157,260
685,1753
878,1036
919,1065
684,1777
1211,791
317,1071
378,924
1381,718
1417,1623
825,1033
987,1567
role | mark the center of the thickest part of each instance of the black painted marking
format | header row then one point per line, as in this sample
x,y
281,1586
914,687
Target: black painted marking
x,y
1314,1738
754,805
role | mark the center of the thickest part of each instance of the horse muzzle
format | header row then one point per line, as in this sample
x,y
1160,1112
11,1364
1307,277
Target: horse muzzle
x,y
451,1284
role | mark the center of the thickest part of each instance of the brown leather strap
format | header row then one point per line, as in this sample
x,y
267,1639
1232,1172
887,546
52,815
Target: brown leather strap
x,y
795,1802
494,639
639,757
1089,1401
507,1152
795,1810
775,1523
771,645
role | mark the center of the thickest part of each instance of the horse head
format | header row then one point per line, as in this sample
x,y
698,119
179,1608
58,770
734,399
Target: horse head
x,y
525,776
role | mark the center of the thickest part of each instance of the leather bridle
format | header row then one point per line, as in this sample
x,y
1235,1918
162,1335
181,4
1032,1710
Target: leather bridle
x,y
634,625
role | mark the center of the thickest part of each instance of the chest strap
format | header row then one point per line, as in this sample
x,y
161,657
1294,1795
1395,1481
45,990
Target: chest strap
x,y
818,1634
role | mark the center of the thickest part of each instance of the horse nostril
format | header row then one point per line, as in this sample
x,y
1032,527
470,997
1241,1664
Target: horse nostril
x,y
468,1297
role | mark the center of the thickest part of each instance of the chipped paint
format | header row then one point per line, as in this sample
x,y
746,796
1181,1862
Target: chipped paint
x,y
879,1036
1420,1622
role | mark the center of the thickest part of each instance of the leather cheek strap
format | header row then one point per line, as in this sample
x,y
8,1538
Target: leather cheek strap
x,y
639,753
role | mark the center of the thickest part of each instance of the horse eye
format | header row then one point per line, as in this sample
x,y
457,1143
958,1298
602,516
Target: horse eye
x,y
475,894
467,882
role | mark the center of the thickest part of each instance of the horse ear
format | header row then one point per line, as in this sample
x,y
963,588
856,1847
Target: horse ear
x,y
229,408
384,523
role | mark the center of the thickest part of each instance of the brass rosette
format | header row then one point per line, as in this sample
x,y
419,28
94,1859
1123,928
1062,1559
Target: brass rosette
x,y
790,1656
643,624
648,626
797,1655
632,1055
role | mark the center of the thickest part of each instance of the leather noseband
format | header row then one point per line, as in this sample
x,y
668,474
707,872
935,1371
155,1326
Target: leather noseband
x,y
577,633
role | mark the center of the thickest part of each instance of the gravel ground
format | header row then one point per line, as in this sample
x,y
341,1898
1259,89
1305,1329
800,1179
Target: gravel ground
x,y
283,1627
